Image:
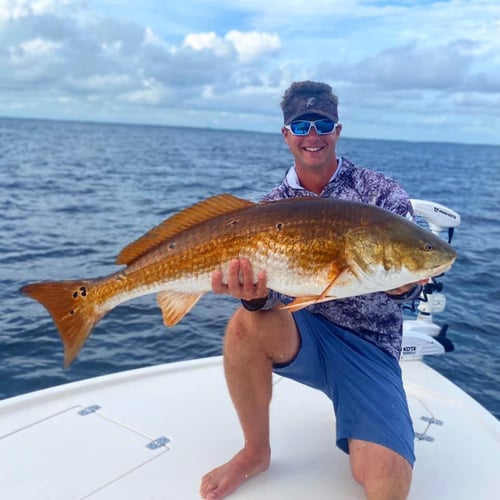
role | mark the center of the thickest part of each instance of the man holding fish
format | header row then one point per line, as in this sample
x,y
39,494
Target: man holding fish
x,y
348,348
321,268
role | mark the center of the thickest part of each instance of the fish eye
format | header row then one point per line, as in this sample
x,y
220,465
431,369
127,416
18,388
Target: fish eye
x,y
427,247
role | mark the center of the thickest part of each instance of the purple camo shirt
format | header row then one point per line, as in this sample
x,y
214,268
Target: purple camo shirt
x,y
374,317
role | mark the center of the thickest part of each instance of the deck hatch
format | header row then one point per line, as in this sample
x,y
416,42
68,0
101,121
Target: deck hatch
x,y
100,448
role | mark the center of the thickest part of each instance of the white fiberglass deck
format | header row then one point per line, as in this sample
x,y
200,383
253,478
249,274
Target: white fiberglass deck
x,y
48,450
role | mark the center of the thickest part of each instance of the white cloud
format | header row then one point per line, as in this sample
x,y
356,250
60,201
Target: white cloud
x,y
250,46
33,60
207,41
151,93
150,38
15,9
44,6
102,83
30,50
410,67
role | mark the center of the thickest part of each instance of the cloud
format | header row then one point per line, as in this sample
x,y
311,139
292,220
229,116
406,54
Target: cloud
x,y
150,93
410,67
118,56
251,46
29,51
108,83
209,42
107,59
15,9
432,85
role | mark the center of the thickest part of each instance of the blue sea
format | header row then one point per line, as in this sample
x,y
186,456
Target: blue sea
x,y
72,195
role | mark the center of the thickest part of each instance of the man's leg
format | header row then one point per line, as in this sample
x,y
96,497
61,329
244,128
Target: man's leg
x,y
253,341
383,473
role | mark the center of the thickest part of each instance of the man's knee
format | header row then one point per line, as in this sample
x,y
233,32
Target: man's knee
x,y
243,330
242,324
273,332
379,470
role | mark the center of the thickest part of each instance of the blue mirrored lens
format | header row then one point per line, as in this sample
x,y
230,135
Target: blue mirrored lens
x,y
324,126
303,127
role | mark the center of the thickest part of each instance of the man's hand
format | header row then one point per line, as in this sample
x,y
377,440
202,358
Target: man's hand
x,y
240,281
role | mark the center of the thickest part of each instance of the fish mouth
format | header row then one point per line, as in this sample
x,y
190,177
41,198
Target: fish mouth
x,y
443,268
377,282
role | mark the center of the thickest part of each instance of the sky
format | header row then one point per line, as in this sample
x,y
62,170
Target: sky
x,y
415,70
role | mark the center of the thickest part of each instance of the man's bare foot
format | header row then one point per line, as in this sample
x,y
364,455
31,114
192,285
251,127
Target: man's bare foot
x,y
223,480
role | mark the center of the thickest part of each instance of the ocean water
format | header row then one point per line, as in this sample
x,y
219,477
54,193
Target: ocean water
x,y
72,195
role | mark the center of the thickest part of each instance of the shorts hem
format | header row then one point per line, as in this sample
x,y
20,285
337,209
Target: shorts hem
x,y
342,444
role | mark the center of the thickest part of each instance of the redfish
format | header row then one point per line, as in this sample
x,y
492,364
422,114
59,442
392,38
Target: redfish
x,y
314,249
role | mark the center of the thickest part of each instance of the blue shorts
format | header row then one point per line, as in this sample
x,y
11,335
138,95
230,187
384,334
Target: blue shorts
x,y
363,382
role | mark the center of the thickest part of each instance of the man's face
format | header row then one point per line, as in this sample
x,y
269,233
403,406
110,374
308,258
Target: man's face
x,y
313,150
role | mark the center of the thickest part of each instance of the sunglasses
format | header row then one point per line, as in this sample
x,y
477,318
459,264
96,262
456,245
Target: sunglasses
x,y
303,127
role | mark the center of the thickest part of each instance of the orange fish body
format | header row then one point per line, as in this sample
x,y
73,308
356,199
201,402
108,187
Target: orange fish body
x,y
314,249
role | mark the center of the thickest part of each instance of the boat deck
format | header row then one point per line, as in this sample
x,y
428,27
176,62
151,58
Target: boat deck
x,y
152,433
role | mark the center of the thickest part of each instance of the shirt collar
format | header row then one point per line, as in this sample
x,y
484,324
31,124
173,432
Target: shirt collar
x,y
293,179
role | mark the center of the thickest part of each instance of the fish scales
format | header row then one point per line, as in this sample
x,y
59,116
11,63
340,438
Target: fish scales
x,y
279,236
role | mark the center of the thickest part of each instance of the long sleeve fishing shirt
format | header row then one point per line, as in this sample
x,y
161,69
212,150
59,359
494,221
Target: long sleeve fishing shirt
x,y
375,317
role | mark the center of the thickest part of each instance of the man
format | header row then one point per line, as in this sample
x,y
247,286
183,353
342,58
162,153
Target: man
x,y
347,348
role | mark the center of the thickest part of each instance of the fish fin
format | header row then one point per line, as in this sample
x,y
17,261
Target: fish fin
x,y
71,306
200,212
175,305
305,301
302,302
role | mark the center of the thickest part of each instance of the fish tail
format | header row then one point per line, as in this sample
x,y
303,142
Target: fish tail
x,y
72,308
